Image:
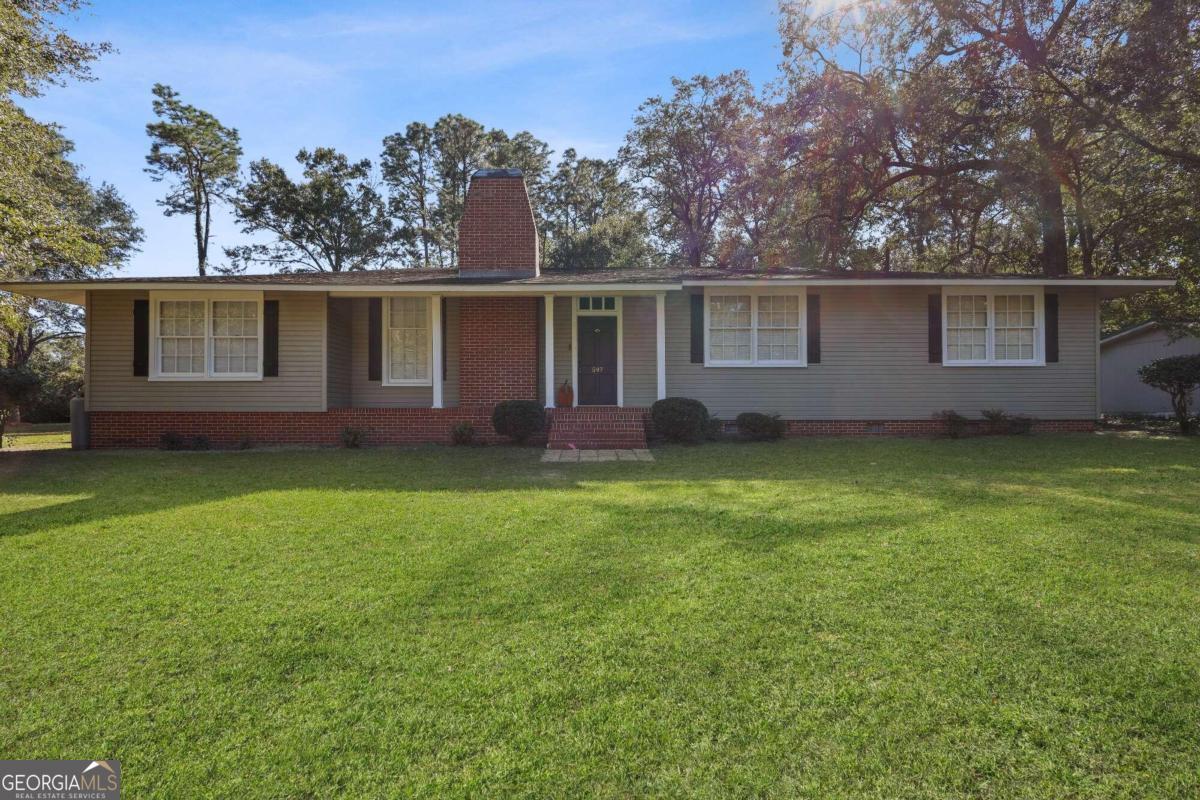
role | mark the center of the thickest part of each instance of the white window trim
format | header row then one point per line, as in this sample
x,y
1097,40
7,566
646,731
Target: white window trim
x,y
619,313
156,373
387,342
1039,321
755,293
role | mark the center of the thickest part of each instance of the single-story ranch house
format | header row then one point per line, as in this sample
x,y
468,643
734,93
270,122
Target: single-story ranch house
x,y
405,354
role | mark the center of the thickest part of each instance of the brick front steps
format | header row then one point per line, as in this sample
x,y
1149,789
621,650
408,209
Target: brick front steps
x,y
597,428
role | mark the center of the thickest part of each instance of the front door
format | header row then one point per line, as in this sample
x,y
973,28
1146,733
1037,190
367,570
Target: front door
x,y
597,379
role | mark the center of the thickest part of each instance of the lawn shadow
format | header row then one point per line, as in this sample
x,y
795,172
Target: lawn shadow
x,y
826,479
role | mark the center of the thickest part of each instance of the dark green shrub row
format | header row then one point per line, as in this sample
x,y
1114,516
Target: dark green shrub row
x,y
995,421
174,441
518,419
681,419
758,427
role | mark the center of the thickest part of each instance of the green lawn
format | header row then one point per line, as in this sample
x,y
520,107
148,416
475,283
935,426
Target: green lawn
x,y
50,436
997,618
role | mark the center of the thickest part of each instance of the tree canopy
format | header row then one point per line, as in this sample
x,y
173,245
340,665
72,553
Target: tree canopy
x,y
200,155
53,222
333,220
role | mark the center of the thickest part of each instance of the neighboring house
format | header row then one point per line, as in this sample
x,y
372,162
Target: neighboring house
x,y
405,354
1123,354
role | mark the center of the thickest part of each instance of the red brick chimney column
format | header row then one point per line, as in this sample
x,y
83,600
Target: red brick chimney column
x,y
497,236
498,349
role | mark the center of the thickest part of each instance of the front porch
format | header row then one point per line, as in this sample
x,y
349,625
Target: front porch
x,y
595,361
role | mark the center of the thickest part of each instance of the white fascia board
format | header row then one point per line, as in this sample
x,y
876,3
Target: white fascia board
x,y
1032,280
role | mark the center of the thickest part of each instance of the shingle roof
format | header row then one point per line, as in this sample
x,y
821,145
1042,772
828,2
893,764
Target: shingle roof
x,y
449,281
384,277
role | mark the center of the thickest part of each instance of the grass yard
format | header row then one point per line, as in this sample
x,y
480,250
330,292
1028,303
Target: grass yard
x,y
997,618
49,436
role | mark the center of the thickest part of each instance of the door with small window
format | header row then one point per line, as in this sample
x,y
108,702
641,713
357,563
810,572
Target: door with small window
x,y
597,337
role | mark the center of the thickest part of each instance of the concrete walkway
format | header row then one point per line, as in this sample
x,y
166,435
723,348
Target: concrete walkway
x,y
587,456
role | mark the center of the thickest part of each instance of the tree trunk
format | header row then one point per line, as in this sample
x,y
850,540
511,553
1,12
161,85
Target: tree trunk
x,y
200,254
1048,189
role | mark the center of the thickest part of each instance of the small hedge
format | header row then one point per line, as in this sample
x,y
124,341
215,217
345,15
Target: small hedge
x,y
518,419
1178,376
463,433
956,424
353,437
1002,423
680,419
756,427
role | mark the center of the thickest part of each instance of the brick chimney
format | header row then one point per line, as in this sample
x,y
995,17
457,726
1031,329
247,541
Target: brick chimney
x,y
497,237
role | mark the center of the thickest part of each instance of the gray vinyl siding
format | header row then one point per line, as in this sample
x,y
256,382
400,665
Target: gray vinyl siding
x,y
300,385
639,351
638,345
562,340
1121,390
366,393
875,366
338,352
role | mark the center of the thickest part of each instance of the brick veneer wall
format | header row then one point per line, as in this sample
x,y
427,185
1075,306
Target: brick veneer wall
x,y
498,349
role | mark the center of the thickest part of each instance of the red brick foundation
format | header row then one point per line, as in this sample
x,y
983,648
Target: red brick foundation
x,y
584,427
917,427
381,426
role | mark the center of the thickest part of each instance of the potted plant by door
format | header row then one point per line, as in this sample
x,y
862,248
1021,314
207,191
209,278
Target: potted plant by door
x,y
565,396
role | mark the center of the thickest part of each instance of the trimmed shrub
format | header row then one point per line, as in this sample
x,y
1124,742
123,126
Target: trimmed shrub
x,y
758,427
201,442
463,433
353,437
1020,424
1178,376
1002,423
169,440
518,419
997,420
680,419
956,424
715,431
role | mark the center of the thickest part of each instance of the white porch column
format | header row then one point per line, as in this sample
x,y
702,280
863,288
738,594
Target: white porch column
x,y
436,361
660,332
549,337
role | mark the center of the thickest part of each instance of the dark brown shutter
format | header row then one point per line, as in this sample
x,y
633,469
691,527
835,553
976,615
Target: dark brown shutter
x,y
1051,328
935,328
445,366
271,338
814,329
375,339
141,338
697,328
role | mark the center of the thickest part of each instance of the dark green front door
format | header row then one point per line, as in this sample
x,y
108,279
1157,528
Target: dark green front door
x,y
597,379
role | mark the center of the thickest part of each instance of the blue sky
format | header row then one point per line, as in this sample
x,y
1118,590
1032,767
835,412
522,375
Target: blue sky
x,y
296,74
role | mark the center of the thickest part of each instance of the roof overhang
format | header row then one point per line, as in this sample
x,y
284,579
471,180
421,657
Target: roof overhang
x,y
68,292
1112,287
1129,333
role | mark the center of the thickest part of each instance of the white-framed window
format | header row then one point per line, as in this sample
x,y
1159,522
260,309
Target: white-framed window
x,y
993,327
754,328
408,341
200,337
235,335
